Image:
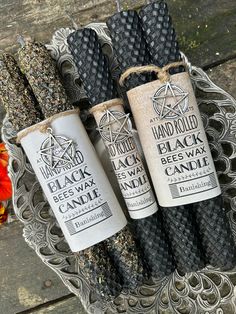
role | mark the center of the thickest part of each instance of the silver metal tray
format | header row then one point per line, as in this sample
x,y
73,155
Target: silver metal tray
x,y
207,291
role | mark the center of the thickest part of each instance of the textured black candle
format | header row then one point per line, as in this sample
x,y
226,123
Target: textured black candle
x,y
94,73
130,49
149,230
160,35
163,48
215,232
156,250
92,66
129,45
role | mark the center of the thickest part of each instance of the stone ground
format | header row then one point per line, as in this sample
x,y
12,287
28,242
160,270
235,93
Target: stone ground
x,y
206,30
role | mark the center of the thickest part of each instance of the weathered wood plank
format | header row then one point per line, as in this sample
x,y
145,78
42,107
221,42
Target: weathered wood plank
x,y
25,282
206,28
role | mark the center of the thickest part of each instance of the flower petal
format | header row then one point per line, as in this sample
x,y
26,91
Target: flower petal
x,y
3,214
5,184
3,155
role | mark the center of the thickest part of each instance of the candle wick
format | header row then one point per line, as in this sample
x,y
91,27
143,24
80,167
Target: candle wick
x,y
118,5
20,39
74,24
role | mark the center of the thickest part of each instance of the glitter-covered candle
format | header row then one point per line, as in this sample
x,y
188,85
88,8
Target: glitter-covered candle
x,y
16,95
43,76
75,184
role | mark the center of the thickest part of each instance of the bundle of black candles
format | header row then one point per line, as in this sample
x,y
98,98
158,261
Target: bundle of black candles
x,y
158,239
139,40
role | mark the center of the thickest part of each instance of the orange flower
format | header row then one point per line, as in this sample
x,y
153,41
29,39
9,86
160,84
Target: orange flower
x,y
3,155
3,214
5,184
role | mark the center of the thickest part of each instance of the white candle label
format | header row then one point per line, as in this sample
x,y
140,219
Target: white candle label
x,y
116,130
174,141
74,182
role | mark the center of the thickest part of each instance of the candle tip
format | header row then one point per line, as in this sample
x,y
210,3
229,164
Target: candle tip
x,y
118,5
74,24
20,39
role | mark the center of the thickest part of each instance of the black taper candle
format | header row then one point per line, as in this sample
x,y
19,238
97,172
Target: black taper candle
x,y
126,32
160,36
216,234
151,238
93,70
130,50
129,46
156,250
163,48
92,66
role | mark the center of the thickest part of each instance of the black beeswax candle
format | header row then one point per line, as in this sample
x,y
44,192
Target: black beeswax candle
x,y
131,50
215,233
100,88
93,70
213,224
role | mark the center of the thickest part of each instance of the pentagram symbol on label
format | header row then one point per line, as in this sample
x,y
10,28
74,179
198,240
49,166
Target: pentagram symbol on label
x,y
115,126
57,151
170,101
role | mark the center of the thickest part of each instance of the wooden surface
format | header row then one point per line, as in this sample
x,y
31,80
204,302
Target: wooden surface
x,y
206,31
25,282
225,76
68,306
